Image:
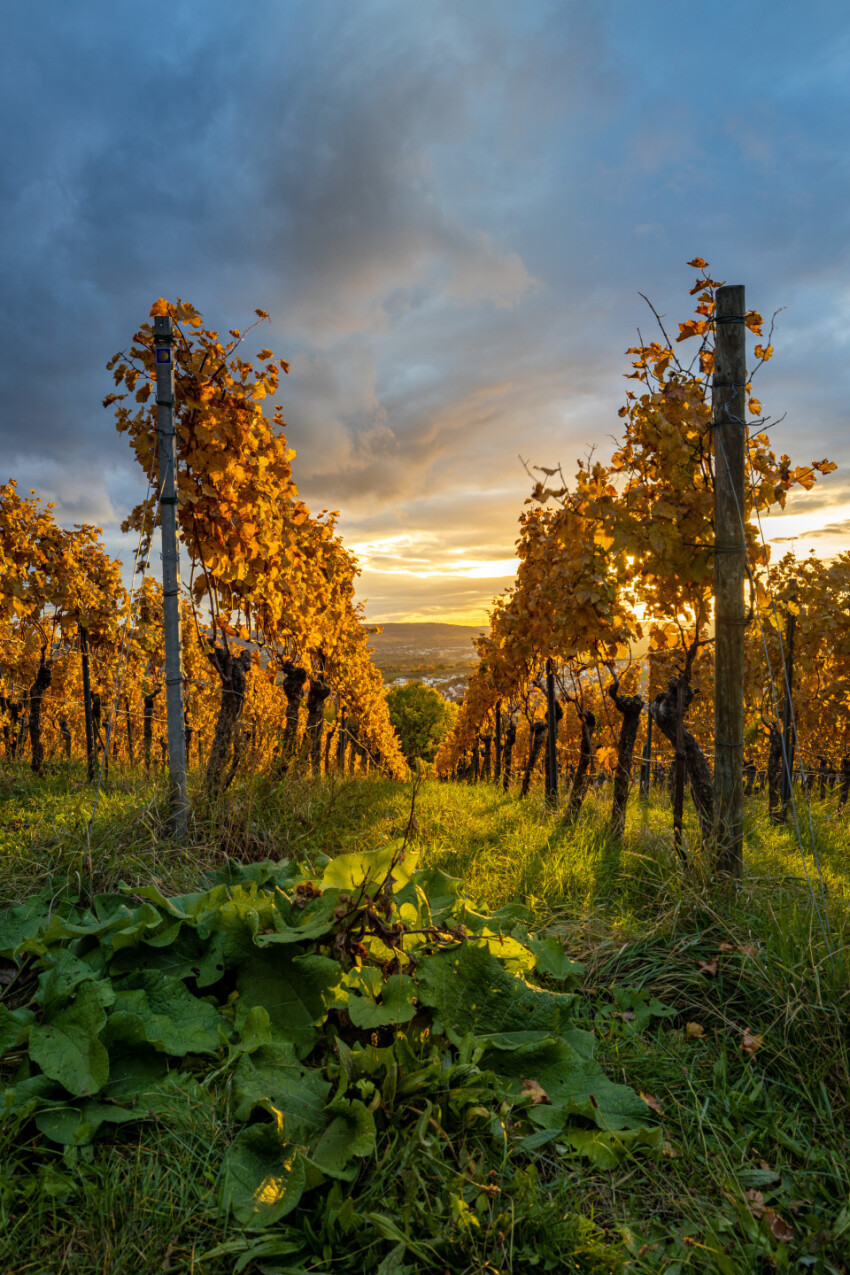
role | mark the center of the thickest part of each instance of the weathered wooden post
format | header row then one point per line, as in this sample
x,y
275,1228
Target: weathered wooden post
x,y
551,738
87,704
163,340
646,760
729,406
497,743
679,771
788,733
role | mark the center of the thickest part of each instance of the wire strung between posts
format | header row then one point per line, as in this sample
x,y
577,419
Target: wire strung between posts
x,y
122,660
822,916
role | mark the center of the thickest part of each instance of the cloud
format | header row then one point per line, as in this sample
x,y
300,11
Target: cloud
x,y
449,212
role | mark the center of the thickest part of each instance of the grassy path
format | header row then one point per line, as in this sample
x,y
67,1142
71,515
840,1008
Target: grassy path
x,y
728,1013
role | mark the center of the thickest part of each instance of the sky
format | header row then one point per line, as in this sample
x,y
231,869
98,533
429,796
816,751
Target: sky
x,y
450,211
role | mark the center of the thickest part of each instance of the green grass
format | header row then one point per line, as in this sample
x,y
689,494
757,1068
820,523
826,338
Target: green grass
x,y
754,1176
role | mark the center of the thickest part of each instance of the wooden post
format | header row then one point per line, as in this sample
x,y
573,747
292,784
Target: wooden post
x,y
551,738
646,762
163,341
497,743
679,771
87,707
788,734
729,403
342,740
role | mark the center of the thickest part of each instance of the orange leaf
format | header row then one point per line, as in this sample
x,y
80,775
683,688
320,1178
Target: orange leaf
x,y
653,1103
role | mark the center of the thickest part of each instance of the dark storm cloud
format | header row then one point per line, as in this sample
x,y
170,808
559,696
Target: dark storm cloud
x,y
449,212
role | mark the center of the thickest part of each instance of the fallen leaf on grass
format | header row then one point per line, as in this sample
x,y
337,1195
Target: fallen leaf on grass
x,y
779,1228
755,1200
709,967
653,1103
695,1030
751,1042
744,949
538,1093
669,1151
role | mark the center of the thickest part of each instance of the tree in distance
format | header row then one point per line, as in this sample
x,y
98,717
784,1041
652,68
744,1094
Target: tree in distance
x,y
421,717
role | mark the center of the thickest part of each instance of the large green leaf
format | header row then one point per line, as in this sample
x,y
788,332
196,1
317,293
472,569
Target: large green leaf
x,y
180,958
575,1082
63,975
396,1004
134,1071
294,924
606,1150
255,1030
14,1027
297,992
350,1134
550,958
23,1096
67,1048
272,1077
151,1007
262,1177
22,923
76,1125
432,891
367,870
471,991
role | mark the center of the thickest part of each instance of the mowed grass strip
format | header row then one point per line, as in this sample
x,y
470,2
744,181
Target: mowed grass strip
x,y
748,1062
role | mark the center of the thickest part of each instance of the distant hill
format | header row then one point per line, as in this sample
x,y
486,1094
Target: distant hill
x,y
440,654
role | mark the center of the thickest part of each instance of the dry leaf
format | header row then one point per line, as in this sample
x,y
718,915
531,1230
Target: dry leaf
x,y
695,1030
748,950
669,1151
755,1200
653,1103
779,1228
538,1093
709,967
751,1042
727,947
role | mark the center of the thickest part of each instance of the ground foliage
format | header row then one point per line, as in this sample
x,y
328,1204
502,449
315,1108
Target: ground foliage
x,y
364,1014
727,1013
